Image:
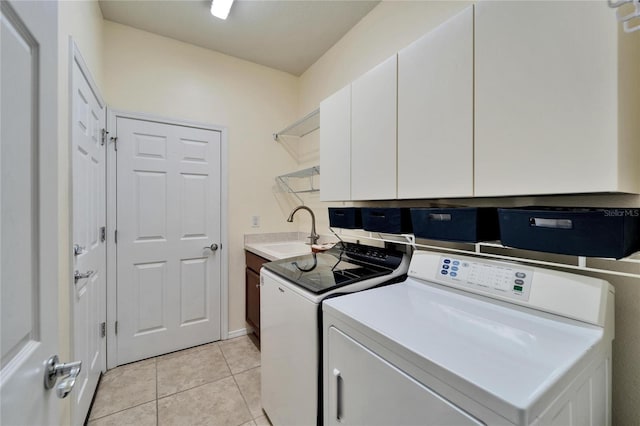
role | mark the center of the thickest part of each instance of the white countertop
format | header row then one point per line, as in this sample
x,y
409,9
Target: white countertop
x,y
279,245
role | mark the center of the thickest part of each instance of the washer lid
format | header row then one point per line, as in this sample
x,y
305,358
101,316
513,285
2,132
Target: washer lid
x,y
505,358
337,267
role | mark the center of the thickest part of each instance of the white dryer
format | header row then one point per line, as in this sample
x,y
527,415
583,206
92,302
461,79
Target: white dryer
x,y
468,341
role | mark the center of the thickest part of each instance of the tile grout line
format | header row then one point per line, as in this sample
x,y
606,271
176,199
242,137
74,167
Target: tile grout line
x,y
195,387
120,411
246,404
217,344
201,384
100,387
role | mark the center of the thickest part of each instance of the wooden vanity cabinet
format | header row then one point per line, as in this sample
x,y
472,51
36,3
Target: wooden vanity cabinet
x,y
252,290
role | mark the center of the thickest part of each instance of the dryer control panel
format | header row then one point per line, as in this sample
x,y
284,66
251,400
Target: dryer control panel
x,y
513,281
574,296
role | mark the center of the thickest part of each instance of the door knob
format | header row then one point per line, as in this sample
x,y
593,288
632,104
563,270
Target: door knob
x,y
212,247
55,369
77,275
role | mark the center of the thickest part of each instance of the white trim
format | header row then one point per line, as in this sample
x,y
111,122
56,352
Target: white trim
x,y
112,116
237,333
73,54
75,57
167,120
224,234
111,247
73,51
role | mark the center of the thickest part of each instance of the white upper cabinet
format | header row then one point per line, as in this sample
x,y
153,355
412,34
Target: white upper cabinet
x,y
373,133
435,112
557,99
335,146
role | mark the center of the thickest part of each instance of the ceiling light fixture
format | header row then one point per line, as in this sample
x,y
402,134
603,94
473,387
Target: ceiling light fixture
x,y
220,8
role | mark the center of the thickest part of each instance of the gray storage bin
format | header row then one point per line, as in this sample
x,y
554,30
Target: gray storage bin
x,y
461,224
596,232
387,220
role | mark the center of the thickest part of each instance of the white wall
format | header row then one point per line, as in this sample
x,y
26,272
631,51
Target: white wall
x,y
385,30
139,71
389,27
81,20
393,25
147,73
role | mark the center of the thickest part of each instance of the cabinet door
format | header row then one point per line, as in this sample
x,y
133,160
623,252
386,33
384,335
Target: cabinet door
x,y
545,97
373,133
364,389
335,146
253,300
435,112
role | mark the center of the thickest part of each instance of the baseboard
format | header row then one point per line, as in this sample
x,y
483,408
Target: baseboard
x,y
238,333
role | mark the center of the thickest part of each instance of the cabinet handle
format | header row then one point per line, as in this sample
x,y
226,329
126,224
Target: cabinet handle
x,y
551,223
336,373
440,217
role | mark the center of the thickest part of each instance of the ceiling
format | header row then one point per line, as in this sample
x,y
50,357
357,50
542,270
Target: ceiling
x,y
287,35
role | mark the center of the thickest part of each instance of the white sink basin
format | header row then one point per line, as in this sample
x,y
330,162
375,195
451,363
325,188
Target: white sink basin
x,y
287,249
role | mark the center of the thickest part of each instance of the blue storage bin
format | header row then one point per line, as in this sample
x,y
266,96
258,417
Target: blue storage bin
x,y
464,224
596,232
387,220
345,217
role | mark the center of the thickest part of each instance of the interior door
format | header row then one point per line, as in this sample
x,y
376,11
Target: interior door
x,y
89,217
29,213
168,220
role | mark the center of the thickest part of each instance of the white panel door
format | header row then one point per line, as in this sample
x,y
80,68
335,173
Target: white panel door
x,y
29,213
435,112
168,213
335,146
373,133
364,389
89,216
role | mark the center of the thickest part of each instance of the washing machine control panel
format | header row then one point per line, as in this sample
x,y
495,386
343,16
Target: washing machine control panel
x,y
512,281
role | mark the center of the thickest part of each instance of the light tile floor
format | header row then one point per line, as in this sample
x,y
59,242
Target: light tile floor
x,y
214,384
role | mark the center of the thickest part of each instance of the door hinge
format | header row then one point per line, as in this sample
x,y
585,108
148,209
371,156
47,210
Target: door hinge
x,y
103,329
115,236
116,328
104,137
114,139
103,234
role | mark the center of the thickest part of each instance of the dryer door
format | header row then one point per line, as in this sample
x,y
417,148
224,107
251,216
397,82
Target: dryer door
x,y
364,389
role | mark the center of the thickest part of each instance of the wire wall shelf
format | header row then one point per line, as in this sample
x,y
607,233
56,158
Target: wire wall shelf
x,y
302,127
299,182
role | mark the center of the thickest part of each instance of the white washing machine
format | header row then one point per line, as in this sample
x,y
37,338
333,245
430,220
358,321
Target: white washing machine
x,y
468,341
290,334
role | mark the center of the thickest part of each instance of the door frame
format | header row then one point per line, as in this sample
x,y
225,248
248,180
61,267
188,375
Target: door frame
x,y
75,57
112,116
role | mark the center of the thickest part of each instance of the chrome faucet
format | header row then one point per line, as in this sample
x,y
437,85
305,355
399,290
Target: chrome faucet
x,y
314,237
